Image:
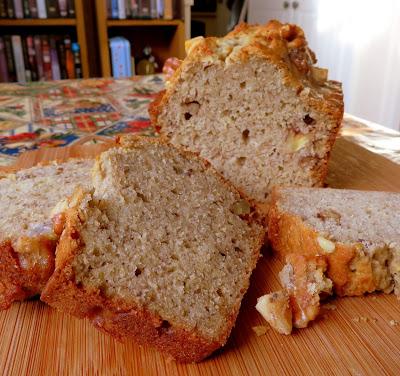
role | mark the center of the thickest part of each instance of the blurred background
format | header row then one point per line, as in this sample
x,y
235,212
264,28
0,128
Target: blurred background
x,y
357,40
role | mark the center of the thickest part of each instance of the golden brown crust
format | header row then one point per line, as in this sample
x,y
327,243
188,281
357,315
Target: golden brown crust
x,y
290,234
121,318
281,44
19,282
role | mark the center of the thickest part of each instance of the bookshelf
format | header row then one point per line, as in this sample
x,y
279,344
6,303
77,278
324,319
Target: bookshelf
x,y
166,37
80,25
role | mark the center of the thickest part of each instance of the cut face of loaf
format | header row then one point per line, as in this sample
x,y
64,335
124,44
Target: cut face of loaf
x,y
161,251
353,237
255,106
28,201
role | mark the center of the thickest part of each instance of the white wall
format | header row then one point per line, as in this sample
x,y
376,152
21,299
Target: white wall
x,y
358,41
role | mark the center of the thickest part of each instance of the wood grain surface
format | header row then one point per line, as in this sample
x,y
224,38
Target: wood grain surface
x,y
356,338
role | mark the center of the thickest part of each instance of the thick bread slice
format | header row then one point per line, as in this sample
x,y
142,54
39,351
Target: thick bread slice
x,y
160,252
344,240
255,106
28,201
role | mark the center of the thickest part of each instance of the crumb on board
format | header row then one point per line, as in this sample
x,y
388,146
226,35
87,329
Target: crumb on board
x,y
260,330
364,319
330,306
393,322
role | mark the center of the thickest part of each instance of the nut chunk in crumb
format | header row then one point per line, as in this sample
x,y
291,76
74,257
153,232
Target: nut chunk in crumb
x,y
276,311
305,282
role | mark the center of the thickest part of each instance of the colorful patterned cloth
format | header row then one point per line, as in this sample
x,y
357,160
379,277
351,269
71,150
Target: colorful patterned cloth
x,y
61,113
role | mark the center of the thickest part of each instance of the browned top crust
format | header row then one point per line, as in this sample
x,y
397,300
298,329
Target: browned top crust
x,y
284,45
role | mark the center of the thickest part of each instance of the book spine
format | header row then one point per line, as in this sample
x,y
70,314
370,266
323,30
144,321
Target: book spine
x,y
27,13
37,42
134,8
128,65
153,8
46,58
10,9
144,8
160,8
3,9
62,58
18,9
109,15
28,72
114,8
41,7
9,58
33,8
63,7
71,8
76,51
3,63
121,9
168,10
32,57
52,8
69,58
117,57
55,65
18,57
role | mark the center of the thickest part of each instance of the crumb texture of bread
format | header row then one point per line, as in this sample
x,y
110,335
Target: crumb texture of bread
x,y
254,104
170,238
27,240
342,241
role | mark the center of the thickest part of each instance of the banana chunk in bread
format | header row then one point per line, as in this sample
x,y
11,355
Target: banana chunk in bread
x,y
334,240
254,104
161,251
28,203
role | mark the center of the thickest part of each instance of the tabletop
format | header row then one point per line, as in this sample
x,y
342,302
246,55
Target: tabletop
x,y
354,336
78,112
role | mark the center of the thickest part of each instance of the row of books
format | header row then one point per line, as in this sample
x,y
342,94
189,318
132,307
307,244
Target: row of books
x,y
38,58
37,8
122,9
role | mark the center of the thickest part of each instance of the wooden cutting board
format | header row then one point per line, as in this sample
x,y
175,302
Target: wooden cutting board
x,y
357,338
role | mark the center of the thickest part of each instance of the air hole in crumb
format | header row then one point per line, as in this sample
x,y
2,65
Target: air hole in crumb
x,y
241,160
308,120
165,325
174,257
142,196
189,172
188,115
243,84
237,249
219,292
230,97
174,191
222,254
138,272
245,135
177,170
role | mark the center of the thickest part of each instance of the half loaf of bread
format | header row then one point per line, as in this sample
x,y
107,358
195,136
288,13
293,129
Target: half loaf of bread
x,y
254,104
161,251
28,203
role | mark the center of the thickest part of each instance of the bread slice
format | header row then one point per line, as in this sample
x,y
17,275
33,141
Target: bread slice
x,y
341,241
160,252
254,104
27,239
